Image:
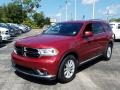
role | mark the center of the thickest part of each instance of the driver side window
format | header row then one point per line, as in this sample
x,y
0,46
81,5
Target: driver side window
x,y
88,27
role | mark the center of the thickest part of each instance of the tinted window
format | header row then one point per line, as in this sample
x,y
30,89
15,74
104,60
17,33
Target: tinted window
x,y
64,29
3,25
118,26
88,27
97,28
108,27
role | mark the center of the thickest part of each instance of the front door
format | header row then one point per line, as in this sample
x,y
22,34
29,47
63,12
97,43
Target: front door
x,y
87,45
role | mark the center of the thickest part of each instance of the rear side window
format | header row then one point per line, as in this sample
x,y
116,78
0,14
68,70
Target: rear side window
x,y
97,28
108,27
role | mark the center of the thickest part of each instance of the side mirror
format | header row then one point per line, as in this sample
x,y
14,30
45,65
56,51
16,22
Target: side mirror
x,y
88,34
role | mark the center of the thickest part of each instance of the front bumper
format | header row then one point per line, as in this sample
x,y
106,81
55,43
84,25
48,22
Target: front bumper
x,y
5,37
45,67
35,73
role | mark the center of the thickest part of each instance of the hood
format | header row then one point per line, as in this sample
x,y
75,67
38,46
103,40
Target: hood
x,y
21,27
41,41
3,29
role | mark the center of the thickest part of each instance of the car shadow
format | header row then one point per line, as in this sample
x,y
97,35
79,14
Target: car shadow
x,y
7,42
54,82
4,43
117,40
89,64
36,80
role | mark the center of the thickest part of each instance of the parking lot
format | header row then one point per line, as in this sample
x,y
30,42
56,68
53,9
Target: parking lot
x,y
94,75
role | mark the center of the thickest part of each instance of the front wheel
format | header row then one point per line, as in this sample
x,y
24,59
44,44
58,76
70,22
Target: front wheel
x,y
108,53
67,69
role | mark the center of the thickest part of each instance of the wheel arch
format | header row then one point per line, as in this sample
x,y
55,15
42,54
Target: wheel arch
x,y
62,60
71,53
66,54
111,43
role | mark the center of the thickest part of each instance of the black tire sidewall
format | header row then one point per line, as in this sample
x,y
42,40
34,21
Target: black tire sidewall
x,y
105,54
61,76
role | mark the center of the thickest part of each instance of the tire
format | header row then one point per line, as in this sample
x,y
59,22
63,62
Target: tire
x,y
66,71
20,32
108,53
114,38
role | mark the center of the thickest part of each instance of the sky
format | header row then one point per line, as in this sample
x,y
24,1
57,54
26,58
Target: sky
x,y
57,9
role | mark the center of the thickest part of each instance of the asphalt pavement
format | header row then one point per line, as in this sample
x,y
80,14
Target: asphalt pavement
x,y
94,75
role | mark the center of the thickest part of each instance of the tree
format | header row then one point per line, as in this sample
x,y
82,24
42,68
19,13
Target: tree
x,y
28,5
115,19
47,21
3,17
12,13
29,22
39,19
19,12
15,14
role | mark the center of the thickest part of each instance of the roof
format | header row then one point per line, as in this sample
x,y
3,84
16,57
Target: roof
x,y
83,21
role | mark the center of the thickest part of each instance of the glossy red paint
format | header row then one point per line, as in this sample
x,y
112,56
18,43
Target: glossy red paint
x,y
83,47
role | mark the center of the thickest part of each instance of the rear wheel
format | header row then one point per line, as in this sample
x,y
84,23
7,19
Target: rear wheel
x,y
67,69
108,53
114,37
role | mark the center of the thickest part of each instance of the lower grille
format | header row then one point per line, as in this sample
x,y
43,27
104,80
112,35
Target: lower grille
x,y
34,73
27,70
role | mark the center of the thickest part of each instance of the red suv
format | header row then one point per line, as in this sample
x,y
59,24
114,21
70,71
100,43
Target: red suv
x,y
58,51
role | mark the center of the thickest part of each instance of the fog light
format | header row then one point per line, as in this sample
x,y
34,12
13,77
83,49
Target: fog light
x,y
42,72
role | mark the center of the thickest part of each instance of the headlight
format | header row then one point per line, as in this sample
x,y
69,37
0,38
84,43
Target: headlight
x,y
3,32
48,52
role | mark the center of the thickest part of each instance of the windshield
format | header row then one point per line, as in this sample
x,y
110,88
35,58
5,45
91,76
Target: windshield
x,y
67,29
3,25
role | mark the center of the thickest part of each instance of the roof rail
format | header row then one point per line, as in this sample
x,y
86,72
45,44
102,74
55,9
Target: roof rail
x,y
100,20
97,20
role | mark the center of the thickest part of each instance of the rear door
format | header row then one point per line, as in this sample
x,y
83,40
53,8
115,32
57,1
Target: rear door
x,y
100,38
